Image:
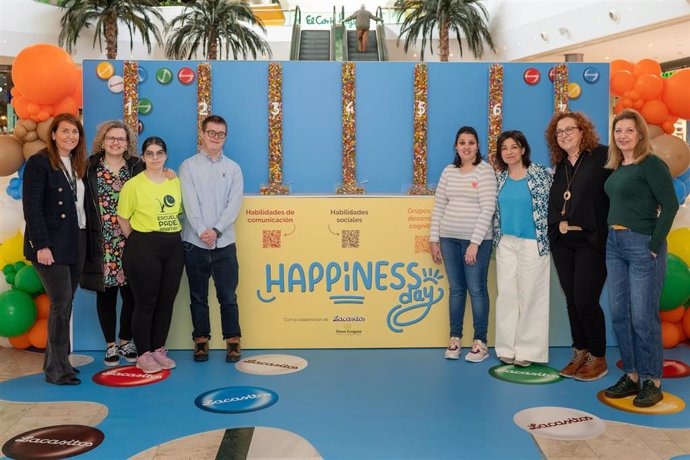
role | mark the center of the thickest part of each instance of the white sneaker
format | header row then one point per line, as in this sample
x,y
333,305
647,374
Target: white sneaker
x,y
478,353
453,351
522,363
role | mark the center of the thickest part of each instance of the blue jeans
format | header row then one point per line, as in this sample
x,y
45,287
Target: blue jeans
x,y
221,264
463,278
635,278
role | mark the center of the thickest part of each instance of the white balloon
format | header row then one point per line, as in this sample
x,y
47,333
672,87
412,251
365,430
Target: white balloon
x,y
5,342
11,219
4,285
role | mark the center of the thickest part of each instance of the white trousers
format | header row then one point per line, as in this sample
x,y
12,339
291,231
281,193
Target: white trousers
x,y
522,305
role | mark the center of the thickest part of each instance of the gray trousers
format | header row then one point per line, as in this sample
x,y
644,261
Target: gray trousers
x,y
60,282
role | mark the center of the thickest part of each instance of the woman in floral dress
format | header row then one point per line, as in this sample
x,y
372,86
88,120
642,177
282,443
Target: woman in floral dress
x,y
110,166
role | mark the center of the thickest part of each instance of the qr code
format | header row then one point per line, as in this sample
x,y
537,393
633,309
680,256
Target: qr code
x,y
350,238
271,238
421,245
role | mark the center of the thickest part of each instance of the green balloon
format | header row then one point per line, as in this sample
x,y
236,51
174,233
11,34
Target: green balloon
x,y
676,290
17,313
28,281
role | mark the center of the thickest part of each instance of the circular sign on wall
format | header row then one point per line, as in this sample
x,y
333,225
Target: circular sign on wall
x,y
591,75
116,84
140,126
104,70
559,423
185,75
128,376
53,442
552,73
164,75
669,405
145,106
236,400
574,90
531,76
142,74
536,374
672,369
271,364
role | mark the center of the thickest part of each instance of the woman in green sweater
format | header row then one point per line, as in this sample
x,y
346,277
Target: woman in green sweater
x,y
642,207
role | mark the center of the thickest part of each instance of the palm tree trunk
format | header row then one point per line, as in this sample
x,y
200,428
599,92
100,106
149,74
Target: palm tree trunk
x,y
212,47
444,41
111,37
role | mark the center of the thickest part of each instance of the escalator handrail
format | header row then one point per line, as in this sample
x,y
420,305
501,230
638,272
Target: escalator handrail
x,y
296,35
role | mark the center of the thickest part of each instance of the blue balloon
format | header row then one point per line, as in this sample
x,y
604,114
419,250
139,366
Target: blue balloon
x,y
683,177
20,173
14,189
681,192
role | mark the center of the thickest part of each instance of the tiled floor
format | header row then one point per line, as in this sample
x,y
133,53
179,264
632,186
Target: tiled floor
x,y
619,441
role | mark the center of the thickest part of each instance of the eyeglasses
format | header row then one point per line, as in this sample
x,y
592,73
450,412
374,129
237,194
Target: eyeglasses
x,y
566,131
116,139
216,134
150,154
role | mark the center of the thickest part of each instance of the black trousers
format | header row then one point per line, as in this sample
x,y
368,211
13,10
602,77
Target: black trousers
x,y
106,304
153,263
582,273
60,282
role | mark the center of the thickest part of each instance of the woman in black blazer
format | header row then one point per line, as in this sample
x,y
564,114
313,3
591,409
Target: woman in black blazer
x,y
55,240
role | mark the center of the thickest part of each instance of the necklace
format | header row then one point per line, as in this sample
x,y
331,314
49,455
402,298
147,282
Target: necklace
x,y
71,178
569,181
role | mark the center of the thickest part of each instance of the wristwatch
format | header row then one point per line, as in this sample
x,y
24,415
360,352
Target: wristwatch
x,y
218,233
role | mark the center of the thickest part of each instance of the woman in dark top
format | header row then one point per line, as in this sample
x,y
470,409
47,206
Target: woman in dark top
x,y
643,206
578,208
55,240
110,166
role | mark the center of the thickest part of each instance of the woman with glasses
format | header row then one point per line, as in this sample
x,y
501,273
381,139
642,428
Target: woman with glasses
x,y
578,208
522,254
55,240
461,236
643,206
148,213
110,166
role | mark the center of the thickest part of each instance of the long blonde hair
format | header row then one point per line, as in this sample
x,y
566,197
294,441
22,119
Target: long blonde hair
x,y
642,149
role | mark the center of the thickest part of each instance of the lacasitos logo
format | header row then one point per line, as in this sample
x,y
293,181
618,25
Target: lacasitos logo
x,y
349,282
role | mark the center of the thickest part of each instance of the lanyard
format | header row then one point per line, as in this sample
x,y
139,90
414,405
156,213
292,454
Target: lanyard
x,y
72,180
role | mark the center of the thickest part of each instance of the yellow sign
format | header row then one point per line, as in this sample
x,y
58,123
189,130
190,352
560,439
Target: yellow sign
x,y
669,405
339,272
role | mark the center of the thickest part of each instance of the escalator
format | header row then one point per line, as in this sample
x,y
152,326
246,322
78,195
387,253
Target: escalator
x,y
375,49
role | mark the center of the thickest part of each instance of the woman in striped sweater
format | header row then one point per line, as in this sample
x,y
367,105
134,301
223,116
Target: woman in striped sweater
x,y
461,235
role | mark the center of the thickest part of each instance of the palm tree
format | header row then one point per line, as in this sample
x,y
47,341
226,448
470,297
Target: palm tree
x,y
423,16
135,14
213,25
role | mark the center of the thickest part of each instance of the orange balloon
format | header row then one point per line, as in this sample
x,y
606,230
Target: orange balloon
x,y
20,105
38,334
669,335
67,105
42,303
646,67
627,103
676,95
686,322
45,74
620,64
668,127
638,104
682,336
77,95
672,316
21,341
622,81
654,112
649,86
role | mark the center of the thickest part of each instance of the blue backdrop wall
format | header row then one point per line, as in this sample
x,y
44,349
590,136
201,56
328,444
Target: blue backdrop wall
x,y
458,95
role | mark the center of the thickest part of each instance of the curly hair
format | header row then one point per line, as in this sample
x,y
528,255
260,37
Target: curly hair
x,y
103,129
590,138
